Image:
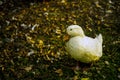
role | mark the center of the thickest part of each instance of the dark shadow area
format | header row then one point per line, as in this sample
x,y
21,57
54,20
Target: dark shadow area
x,y
8,5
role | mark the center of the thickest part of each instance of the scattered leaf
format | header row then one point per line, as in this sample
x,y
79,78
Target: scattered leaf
x,y
59,71
85,79
119,69
28,68
75,77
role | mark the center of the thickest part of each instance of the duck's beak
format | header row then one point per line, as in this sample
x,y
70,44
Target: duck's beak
x,y
66,37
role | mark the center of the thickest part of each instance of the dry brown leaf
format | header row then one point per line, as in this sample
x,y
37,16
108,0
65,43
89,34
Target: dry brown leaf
x,y
58,31
85,79
48,58
28,68
30,40
65,37
75,77
89,28
40,43
59,71
119,69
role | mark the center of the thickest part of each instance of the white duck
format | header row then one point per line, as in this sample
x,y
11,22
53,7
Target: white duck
x,y
81,47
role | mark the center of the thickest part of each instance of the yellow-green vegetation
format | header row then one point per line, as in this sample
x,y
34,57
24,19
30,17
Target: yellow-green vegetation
x,y
32,39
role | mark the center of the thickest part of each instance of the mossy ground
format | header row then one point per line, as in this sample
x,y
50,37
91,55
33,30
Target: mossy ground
x,y
32,39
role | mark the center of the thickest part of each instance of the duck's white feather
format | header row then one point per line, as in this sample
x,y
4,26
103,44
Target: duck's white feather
x,y
85,49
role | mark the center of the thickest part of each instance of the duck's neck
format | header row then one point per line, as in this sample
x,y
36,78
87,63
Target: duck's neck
x,y
80,35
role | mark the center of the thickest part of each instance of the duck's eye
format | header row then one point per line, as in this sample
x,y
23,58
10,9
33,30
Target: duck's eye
x,y
70,29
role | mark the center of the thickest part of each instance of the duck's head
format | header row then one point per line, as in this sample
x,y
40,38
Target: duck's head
x,y
75,30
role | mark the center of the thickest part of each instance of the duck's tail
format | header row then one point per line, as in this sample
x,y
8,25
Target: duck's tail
x,y
99,37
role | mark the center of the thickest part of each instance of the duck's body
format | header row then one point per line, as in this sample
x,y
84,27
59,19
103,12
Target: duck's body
x,y
83,48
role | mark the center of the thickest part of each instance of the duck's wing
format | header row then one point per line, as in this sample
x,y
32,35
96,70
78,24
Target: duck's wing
x,y
99,38
99,41
94,46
